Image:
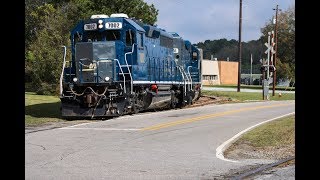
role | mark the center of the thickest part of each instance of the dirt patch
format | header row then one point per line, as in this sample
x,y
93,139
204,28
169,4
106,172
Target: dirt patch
x,y
243,150
204,100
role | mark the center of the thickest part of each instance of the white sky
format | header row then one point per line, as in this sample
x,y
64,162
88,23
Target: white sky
x,y
200,20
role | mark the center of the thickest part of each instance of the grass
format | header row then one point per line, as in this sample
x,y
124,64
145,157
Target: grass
x,y
277,133
253,87
243,96
41,109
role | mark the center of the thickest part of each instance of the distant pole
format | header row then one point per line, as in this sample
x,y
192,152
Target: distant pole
x,y
275,54
239,48
251,70
263,77
268,60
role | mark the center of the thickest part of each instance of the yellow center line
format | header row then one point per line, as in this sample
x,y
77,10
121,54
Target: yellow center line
x,y
183,121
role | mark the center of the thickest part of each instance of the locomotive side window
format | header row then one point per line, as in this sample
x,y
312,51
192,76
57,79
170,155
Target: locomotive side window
x,y
140,40
129,37
77,37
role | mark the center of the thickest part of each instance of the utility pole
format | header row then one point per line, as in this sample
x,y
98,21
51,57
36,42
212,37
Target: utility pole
x,y
251,69
275,54
239,47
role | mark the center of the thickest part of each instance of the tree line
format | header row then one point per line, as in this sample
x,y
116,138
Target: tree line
x,y
47,28
48,24
224,49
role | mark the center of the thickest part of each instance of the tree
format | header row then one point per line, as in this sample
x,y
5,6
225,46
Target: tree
x,y
43,56
286,43
133,8
47,27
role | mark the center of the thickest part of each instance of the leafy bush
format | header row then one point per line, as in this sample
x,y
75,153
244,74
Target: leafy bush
x,y
47,89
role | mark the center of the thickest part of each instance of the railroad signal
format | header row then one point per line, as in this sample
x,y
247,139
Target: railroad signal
x,y
269,67
272,68
268,48
270,44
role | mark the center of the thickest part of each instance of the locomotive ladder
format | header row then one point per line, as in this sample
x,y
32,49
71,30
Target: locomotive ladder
x,y
190,77
128,68
185,78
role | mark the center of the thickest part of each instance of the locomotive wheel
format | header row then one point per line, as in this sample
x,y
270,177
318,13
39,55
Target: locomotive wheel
x,y
189,101
134,108
173,103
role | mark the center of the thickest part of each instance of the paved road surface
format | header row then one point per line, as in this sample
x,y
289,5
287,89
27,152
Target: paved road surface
x,y
175,144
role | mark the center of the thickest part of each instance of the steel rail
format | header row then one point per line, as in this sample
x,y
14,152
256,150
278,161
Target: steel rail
x,y
262,168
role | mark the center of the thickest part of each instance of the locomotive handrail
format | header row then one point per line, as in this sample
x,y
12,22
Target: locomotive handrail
x,y
124,78
190,77
125,58
63,66
184,75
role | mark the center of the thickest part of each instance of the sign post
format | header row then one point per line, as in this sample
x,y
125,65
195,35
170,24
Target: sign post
x,y
265,81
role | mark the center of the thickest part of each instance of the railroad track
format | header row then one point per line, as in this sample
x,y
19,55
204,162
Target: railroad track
x,y
262,168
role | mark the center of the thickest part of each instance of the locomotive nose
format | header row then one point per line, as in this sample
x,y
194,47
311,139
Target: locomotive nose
x,y
95,62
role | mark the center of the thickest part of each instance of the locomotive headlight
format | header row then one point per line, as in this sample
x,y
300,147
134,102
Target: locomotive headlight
x,y
107,78
75,79
100,24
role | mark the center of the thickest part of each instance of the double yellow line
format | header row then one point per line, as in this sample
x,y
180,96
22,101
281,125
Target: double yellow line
x,y
184,121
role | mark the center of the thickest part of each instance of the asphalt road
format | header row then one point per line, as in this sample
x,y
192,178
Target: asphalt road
x,y
175,144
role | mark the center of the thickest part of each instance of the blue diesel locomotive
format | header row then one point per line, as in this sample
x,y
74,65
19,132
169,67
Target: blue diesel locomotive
x,y
120,65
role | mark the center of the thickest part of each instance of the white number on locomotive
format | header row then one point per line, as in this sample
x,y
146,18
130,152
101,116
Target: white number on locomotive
x,y
113,25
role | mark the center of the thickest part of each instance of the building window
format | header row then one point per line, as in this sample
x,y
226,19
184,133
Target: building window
x,y
215,77
210,77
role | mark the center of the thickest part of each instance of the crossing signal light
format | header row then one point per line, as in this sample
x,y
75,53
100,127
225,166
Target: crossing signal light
x,y
272,68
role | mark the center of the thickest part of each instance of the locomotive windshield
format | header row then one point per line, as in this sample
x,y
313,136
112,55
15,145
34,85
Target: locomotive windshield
x,y
110,35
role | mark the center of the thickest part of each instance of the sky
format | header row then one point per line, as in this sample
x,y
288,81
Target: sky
x,y
200,20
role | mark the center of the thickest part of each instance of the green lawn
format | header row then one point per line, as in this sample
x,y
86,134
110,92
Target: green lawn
x,y
253,87
243,96
276,133
40,109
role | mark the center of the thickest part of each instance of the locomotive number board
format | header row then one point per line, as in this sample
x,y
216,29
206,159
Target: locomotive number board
x,y
92,26
113,25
